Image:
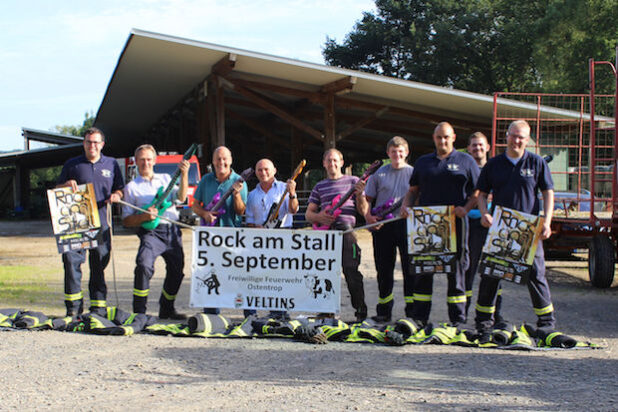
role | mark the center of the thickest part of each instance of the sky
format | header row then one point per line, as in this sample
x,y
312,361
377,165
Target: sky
x,y
57,57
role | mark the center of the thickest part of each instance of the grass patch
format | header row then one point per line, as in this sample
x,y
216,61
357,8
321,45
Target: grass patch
x,y
31,288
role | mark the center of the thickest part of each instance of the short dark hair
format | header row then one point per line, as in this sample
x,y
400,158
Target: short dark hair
x,y
477,135
93,130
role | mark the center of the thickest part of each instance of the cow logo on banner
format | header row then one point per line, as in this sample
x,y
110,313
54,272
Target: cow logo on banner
x,y
75,217
267,269
432,242
510,245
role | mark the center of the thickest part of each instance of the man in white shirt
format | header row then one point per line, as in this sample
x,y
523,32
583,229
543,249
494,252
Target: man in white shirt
x,y
163,240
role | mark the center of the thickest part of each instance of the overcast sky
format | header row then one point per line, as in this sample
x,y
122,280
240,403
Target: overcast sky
x,y
57,57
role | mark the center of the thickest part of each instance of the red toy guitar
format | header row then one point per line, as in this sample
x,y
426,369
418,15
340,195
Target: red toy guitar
x,y
338,201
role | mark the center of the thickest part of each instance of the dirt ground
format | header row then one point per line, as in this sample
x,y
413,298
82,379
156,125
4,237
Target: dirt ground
x,y
60,371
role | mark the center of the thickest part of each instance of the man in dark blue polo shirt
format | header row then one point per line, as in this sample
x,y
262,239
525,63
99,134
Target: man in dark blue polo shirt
x,y
445,177
104,174
514,178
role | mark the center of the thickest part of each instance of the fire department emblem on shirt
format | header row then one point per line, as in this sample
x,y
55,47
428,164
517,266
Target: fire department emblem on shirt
x,y
452,167
526,173
106,173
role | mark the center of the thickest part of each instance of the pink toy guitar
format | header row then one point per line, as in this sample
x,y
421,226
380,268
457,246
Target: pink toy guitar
x,y
335,208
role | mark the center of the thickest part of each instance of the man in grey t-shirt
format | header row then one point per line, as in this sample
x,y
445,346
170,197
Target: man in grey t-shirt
x,y
390,183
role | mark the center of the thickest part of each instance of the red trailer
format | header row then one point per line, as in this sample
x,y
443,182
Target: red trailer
x,y
579,132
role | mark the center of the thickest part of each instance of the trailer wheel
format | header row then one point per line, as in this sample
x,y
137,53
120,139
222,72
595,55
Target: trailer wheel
x,y
601,259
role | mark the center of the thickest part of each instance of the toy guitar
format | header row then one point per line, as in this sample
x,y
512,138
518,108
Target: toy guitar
x,y
273,220
386,209
217,204
161,201
335,208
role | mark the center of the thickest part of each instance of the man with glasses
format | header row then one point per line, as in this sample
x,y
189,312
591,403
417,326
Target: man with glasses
x,y
104,174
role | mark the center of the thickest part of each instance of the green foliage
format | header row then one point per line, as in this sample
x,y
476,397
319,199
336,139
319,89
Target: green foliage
x,y
77,130
482,45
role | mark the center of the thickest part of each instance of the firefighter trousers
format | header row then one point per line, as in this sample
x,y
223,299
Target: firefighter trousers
x,y
386,241
98,258
165,241
456,294
539,294
476,240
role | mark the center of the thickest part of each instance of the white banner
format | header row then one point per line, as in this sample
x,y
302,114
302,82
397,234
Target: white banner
x,y
266,269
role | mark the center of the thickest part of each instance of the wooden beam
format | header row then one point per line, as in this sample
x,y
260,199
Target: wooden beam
x,y
329,121
304,94
362,123
274,109
224,66
344,85
347,102
220,114
257,127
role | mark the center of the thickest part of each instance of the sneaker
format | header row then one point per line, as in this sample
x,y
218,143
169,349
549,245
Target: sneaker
x,y
171,314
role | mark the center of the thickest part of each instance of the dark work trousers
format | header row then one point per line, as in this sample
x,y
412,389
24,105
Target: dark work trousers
x,y
165,241
456,294
98,258
539,294
386,241
476,240
351,261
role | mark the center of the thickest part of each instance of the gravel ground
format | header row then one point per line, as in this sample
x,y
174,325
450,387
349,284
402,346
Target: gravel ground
x,y
59,371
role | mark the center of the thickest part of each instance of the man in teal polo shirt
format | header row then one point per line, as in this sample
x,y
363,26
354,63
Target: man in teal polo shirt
x,y
220,180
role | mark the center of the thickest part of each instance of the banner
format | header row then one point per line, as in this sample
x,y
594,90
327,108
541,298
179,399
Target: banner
x,y
266,269
75,217
510,245
432,241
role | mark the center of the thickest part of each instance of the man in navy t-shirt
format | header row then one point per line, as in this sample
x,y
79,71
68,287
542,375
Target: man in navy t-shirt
x,y
445,177
104,174
514,178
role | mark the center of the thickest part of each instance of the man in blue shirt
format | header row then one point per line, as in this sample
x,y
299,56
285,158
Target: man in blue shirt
x,y
445,177
514,178
268,192
220,181
104,174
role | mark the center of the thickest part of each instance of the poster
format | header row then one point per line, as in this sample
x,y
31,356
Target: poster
x,y
266,269
432,241
510,245
75,217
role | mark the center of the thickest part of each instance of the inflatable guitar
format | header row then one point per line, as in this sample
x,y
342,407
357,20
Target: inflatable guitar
x,y
338,201
217,204
385,210
274,220
161,201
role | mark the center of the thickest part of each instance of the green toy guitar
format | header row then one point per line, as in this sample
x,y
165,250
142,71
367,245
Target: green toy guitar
x,y
161,200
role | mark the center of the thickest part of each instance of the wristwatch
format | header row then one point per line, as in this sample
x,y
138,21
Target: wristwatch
x,y
292,197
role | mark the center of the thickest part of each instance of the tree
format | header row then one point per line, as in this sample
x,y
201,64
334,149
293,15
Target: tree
x,y
481,45
77,130
571,32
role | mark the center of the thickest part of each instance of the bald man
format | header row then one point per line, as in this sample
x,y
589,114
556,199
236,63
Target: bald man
x,y
445,177
220,180
268,192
